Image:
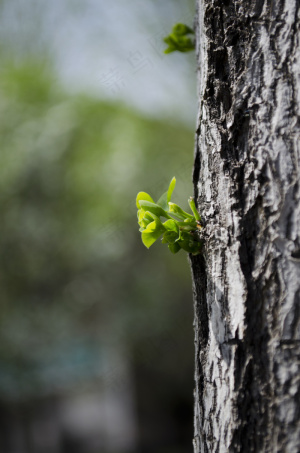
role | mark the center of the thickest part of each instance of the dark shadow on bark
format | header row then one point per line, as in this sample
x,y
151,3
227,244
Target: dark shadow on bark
x,y
199,291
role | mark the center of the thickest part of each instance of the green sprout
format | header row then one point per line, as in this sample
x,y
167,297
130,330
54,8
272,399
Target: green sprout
x,y
179,39
179,230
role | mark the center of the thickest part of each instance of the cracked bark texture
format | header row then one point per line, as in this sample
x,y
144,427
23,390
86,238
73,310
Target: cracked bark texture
x,y
246,179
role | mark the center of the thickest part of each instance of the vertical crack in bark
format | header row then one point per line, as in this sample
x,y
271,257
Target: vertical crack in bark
x,y
199,290
197,166
201,338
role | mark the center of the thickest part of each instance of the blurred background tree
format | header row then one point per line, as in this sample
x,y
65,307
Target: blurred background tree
x,y
96,341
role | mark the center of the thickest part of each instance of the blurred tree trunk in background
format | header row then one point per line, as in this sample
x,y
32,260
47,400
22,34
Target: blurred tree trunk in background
x,y
246,176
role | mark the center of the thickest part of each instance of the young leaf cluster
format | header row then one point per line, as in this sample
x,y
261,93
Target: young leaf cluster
x,y
179,39
164,218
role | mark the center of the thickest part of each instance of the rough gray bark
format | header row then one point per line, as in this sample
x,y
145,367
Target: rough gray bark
x,y
246,176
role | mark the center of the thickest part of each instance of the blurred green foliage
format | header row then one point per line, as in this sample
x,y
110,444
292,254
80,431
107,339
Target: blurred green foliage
x,y
80,297
73,271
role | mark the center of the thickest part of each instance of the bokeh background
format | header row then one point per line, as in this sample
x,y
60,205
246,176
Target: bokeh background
x,y
96,336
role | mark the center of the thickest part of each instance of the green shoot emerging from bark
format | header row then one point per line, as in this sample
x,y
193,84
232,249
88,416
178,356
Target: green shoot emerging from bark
x,y
179,229
179,39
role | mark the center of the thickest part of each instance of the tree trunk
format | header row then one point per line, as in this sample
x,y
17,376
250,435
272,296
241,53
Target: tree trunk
x,y
246,177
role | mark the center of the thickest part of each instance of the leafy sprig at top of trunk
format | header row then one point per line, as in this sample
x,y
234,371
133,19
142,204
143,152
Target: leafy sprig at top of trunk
x,y
179,39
